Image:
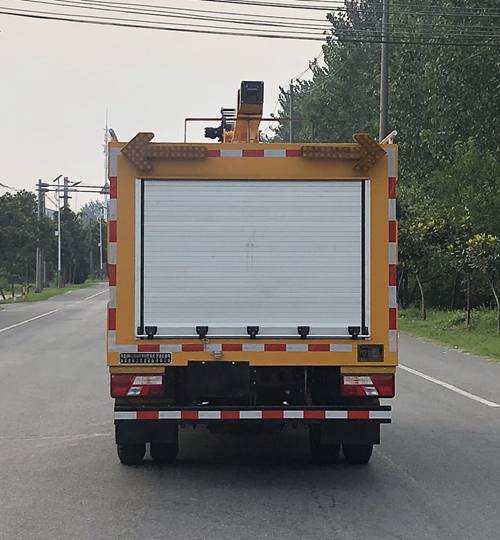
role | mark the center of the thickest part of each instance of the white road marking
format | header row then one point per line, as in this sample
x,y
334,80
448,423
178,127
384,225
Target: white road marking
x,y
450,387
96,294
28,320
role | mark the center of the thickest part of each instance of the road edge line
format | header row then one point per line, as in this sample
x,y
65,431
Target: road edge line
x,y
28,320
96,294
451,387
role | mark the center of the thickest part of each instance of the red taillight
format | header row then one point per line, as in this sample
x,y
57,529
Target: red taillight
x,y
136,385
380,385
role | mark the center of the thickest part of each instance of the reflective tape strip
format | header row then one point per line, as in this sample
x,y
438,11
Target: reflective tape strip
x,y
336,415
252,153
265,414
298,347
250,415
275,153
391,158
170,348
393,341
192,347
253,347
319,347
358,415
148,415
126,415
209,415
391,208
112,209
393,231
380,415
231,153
112,297
111,252
222,347
232,347
112,274
112,230
113,161
393,302
148,347
293,414
393,275
169,415
393,253
113,187
393,319
340,348
111,318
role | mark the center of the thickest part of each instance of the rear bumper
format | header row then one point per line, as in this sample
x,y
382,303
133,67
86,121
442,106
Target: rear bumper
x,y
190,415
354,425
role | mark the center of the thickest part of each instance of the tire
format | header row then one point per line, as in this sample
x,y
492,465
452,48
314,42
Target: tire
x,y
357,454
322,454
131,454
164,452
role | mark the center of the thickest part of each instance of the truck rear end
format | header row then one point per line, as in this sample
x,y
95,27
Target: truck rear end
x,y
252,284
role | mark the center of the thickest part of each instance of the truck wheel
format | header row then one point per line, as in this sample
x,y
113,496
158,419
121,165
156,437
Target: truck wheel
x,y
164,452
357,454
131,454
322,453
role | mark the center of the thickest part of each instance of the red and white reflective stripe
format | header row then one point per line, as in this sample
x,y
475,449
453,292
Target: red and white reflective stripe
x,y
253,153
392,226
225,347
257,414
112,242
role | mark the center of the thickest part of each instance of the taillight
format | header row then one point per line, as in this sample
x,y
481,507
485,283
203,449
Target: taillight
x,y
136,385
380,385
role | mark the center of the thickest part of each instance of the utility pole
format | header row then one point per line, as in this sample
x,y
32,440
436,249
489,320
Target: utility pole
x,y
384,73
291,110
58,179
101,212
66,196
39,253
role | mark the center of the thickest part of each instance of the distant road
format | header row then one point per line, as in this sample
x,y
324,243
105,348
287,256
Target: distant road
x,y
435,476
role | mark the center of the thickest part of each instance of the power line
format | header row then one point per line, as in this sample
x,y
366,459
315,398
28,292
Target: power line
x,y
397,29
229,31
489,12
96,6
159,10
10,188
135,5
340,33
291,34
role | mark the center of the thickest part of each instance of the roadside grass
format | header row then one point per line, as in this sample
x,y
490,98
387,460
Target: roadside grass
x,y
449,328
49,292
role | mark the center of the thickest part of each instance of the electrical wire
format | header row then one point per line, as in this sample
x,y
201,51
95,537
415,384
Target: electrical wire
x,y
489,12
366,35
372,32
96,6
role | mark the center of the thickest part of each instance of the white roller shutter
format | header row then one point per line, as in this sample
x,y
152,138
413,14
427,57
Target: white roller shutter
x,y
231,254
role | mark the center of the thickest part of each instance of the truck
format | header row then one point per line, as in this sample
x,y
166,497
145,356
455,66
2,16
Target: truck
x,y
252,285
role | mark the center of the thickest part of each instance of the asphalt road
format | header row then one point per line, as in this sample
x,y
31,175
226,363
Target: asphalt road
x,y
435,476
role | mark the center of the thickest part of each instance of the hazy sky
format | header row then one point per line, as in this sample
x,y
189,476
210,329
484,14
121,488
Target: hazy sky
x,y
58,80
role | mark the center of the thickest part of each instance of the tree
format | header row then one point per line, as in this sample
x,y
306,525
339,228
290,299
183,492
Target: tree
x,y
18,236
484,253
73,248
444,103
94,225
420,242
